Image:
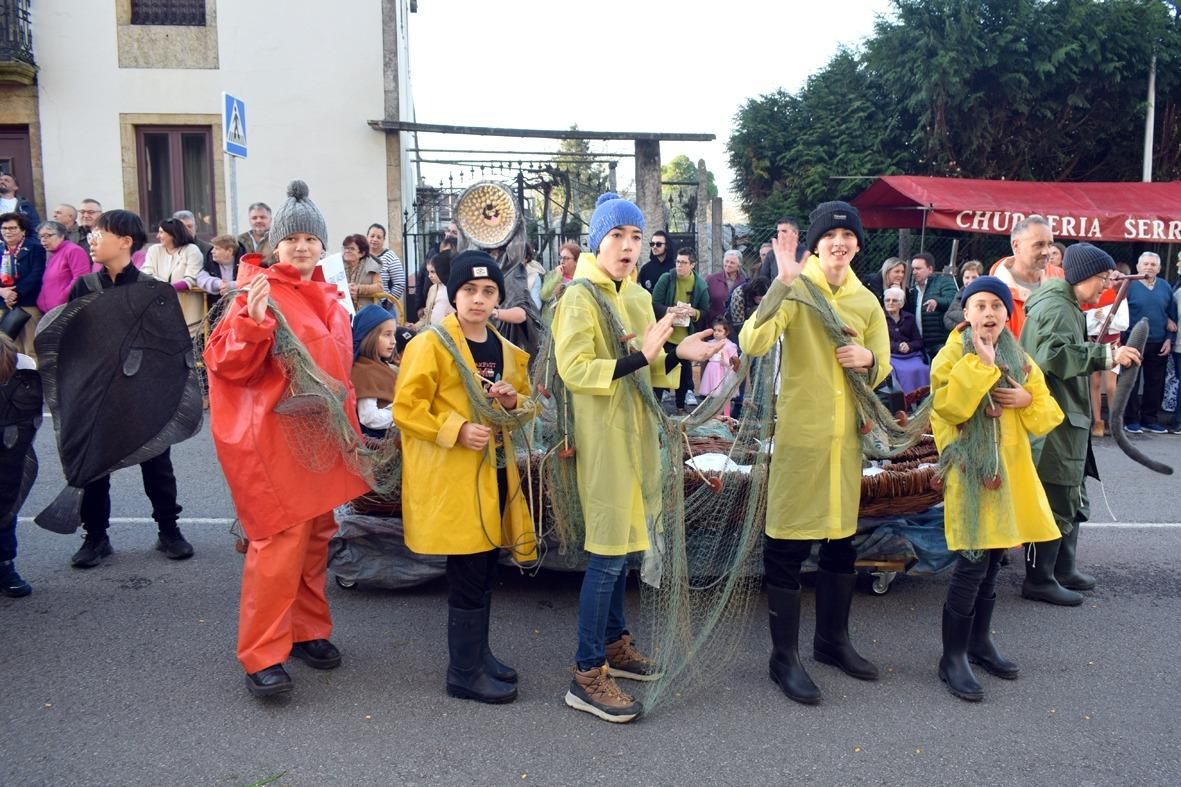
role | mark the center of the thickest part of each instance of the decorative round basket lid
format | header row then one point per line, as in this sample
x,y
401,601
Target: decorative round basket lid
x,y
487,214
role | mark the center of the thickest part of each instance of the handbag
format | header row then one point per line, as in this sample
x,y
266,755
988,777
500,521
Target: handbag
x,y
13,321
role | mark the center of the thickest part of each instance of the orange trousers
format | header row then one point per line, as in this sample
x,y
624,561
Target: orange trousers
x,y
283,593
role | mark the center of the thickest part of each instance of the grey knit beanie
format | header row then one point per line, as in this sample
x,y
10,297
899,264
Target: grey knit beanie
x,y
298,214
1082,261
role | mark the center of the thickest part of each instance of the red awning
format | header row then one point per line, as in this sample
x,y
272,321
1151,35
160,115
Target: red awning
x,y
1123,212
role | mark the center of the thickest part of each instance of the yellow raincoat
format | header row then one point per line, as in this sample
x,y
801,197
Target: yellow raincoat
x,y
450,503
959,382
814,490
617,447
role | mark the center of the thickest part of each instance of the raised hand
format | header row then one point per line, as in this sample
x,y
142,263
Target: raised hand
x,y
785,257
697,346
256,299
984,347
656,335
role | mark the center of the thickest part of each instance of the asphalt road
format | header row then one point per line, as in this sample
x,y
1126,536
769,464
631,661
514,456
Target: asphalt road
x,y
125,674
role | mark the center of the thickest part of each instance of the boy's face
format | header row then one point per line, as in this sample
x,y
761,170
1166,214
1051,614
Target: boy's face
x,y
475,300
106,246
837,247
986,314
684,266
619,251
301,250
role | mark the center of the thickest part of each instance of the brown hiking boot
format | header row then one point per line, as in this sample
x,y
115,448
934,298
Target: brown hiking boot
x,y
624,661
596,692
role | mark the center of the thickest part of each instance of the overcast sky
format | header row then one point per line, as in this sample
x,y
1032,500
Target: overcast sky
x,y
617,66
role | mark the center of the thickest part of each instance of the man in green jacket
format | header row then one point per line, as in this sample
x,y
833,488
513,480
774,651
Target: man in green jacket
x,y
682,291
929,297
1055,337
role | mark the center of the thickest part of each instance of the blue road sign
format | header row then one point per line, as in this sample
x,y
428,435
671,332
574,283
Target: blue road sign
x,y
233,125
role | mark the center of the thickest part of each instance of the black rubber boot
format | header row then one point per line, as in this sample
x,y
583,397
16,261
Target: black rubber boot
x,y
467,630
1040,584
786,670
831,645
1066,566
492,665
954,669
981,648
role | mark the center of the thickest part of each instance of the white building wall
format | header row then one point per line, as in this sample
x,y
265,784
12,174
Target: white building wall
x,y
310,74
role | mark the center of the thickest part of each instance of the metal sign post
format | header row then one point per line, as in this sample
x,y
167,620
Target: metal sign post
x,y
233,136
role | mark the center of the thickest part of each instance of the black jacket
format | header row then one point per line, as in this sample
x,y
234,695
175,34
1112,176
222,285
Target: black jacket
x,y
28,269
128,275
653,269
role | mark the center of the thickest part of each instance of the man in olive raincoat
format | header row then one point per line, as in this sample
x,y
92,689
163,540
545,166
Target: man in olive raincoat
x,y
1055,336
815,483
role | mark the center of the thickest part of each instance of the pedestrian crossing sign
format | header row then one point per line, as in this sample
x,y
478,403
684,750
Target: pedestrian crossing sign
x,y
233,124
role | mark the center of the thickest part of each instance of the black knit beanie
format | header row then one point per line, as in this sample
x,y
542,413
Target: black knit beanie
x,y
473,264
1082,261
830,216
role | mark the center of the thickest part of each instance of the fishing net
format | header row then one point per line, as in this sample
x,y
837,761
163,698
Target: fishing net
x,y
976,451
315,423
703,572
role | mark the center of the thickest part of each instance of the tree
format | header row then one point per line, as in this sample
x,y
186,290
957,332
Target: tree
x,y
1029,89
585,177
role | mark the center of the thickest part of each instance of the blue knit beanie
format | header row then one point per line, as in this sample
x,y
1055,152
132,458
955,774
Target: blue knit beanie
x,y
364,322
988,284
611,211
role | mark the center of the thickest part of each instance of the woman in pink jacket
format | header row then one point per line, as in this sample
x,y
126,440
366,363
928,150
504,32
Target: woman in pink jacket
x,y
65,264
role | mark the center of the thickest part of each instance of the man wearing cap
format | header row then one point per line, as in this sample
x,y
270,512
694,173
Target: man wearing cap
x,y
288,520
1055,336
815,479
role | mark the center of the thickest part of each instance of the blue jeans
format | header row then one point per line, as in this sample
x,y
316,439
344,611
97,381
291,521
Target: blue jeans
x,y
600,609
8,541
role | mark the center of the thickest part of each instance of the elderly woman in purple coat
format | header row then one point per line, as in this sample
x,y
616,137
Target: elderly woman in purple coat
x,y
906,344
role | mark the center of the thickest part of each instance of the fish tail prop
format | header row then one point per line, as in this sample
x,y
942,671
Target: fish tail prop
x,y
1124,390
64,514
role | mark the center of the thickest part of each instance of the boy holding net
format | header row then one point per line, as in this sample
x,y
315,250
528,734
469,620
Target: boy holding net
x,y
617,443
456,403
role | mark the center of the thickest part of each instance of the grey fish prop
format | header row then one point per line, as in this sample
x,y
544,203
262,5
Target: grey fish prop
x,y
1124,389
120,379
20,416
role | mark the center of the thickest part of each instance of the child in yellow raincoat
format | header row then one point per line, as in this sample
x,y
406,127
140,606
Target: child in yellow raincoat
x,y
461,491
815,480
617,448
990,398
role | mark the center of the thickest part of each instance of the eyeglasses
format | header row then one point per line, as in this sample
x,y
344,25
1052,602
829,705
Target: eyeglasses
x,y
95,237
565,258
656,243
46,236
11,228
